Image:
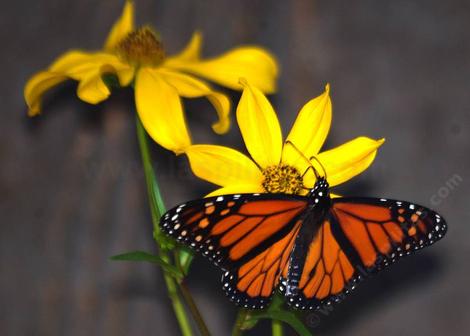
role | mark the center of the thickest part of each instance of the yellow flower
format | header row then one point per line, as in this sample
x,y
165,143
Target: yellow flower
x,y
136,55
276,165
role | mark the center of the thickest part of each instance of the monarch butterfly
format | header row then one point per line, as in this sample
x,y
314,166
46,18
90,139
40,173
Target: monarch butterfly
x,y
314,248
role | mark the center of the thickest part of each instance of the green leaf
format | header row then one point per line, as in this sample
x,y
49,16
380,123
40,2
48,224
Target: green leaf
x,y
249,322
247,319
278,301
277,312
242,323
147,257
165,242
252,316
286,317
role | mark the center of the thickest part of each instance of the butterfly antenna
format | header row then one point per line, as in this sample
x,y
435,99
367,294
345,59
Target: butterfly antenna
x,y
288,142
322,167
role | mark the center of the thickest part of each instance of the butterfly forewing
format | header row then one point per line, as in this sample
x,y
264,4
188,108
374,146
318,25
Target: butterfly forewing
x,y
249,235
380,230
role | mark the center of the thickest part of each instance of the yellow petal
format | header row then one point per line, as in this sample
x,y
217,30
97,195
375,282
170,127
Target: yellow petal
x,y
259,126
84,67
192,51
159,108
123,26
88,69
255,64
223,166
72,59
237,189
310,129
350,159
92,89
79,65
189,87
37,85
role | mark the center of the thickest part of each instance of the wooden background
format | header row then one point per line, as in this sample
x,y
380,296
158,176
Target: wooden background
x,y
72,191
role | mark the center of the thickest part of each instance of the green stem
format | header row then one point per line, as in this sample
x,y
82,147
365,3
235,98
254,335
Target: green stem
x,y
276,328
178,307
155,198
188,298
194,310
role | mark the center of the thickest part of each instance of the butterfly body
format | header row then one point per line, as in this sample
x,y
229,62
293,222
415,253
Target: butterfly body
x,y
319,202
313,248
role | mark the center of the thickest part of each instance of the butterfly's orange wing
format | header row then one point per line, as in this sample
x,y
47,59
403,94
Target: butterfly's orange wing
x,y
360,236
250,236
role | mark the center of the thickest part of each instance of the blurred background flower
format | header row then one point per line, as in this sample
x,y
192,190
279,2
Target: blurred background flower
x,y
136,55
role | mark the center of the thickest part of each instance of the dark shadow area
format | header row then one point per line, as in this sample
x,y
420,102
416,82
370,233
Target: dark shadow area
x,y
60,99
393,283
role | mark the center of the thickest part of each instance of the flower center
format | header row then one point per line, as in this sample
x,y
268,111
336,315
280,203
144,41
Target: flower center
x,y
282,179
141,47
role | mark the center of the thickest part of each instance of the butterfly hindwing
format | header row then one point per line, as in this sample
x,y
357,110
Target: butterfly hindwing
x,y
249,235
327,271
252,285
